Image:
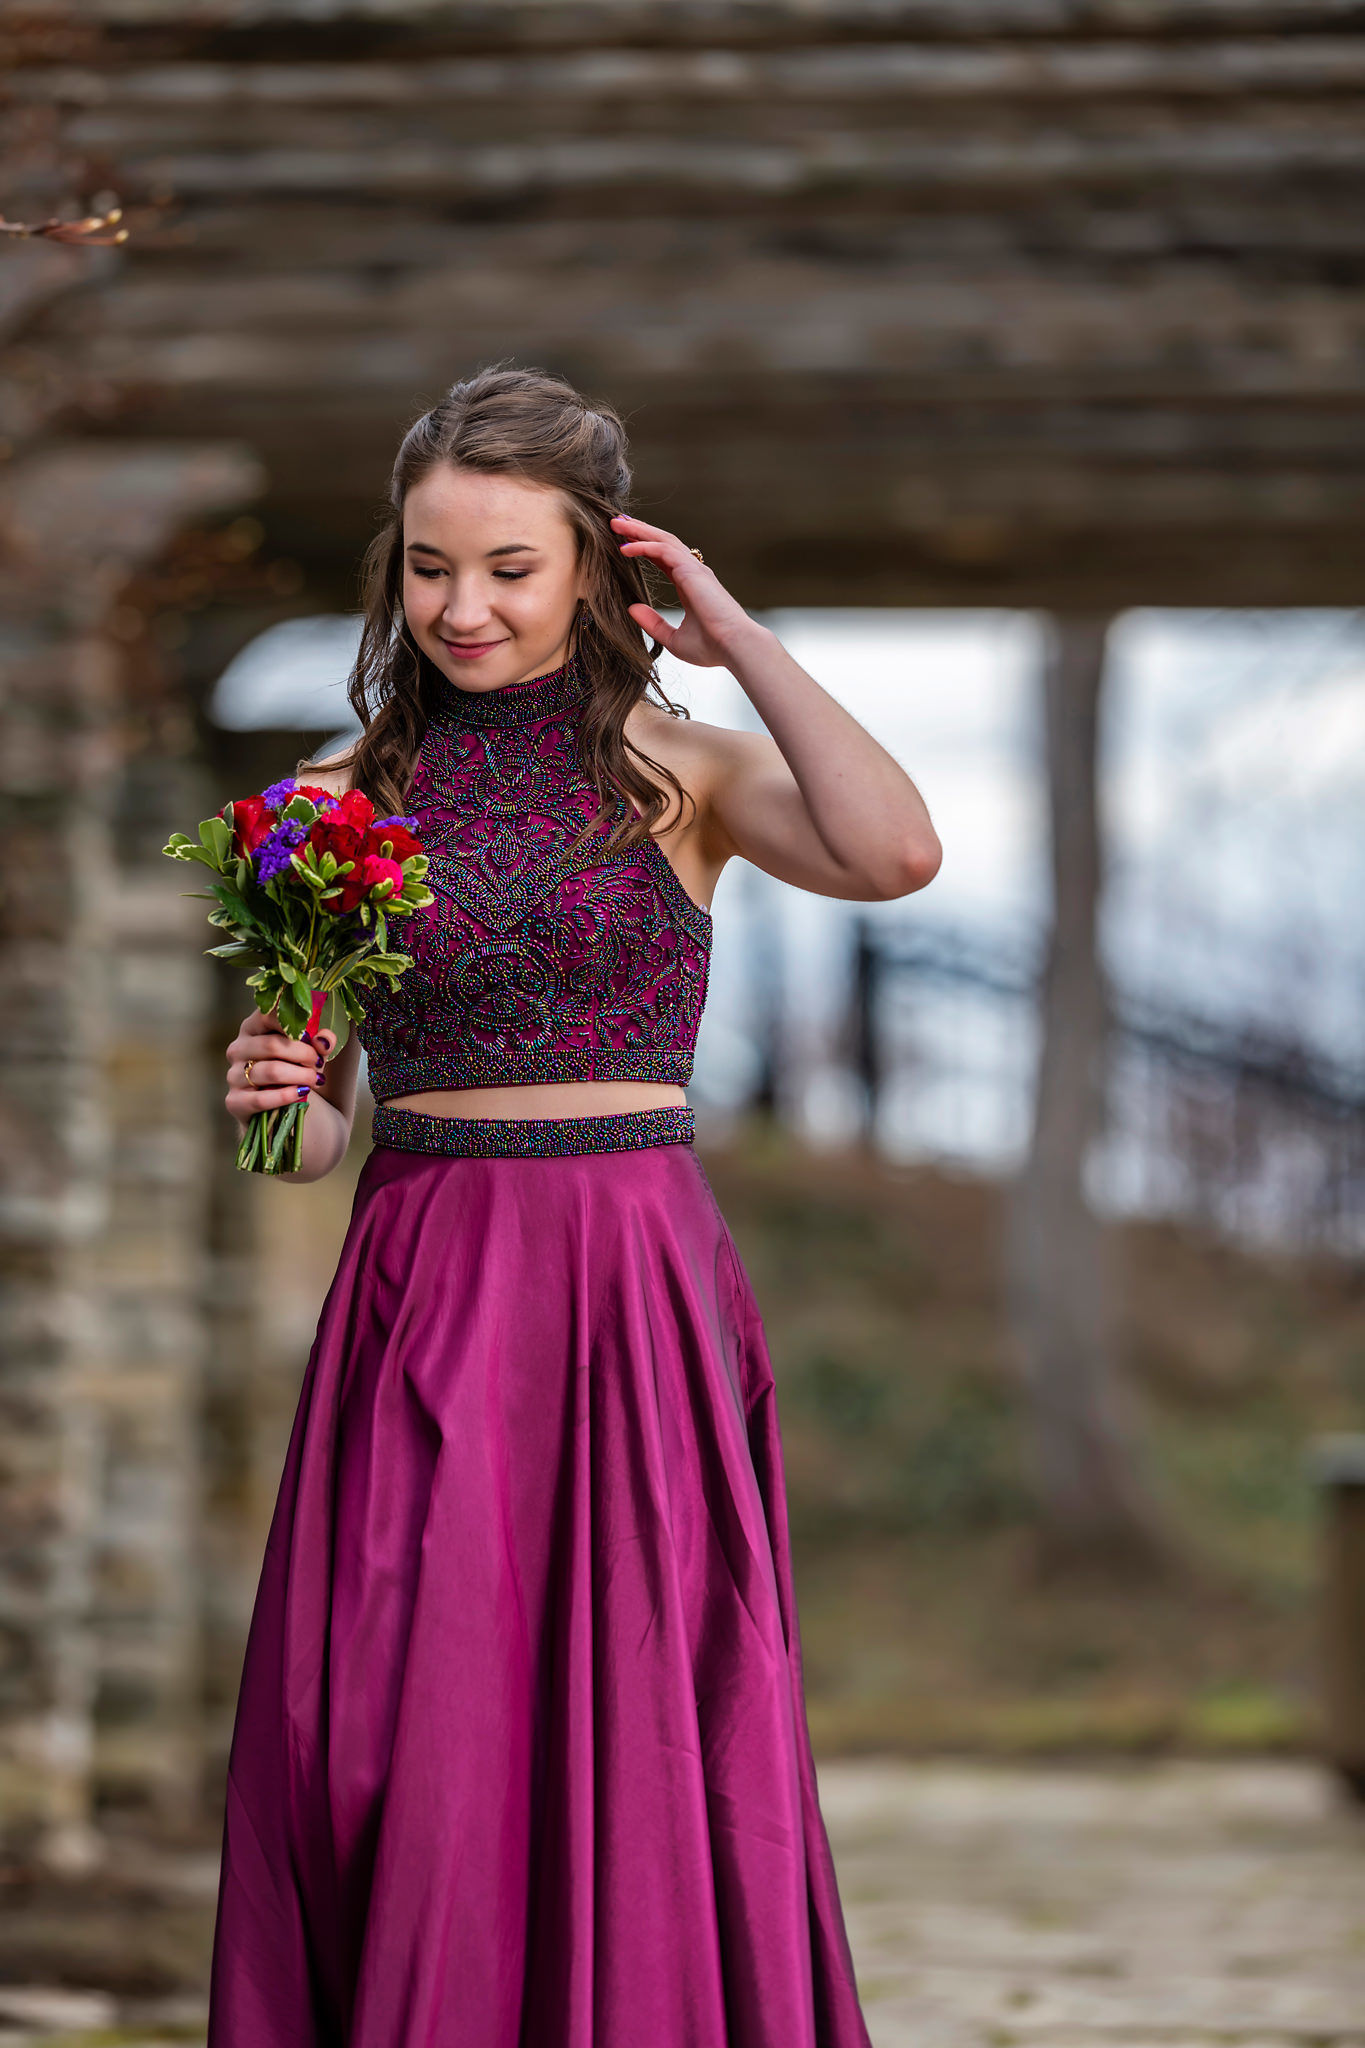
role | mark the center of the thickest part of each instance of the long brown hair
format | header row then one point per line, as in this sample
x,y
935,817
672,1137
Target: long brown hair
x,y
530,424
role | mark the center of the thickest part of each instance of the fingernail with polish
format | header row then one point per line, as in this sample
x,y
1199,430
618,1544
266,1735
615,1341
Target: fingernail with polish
x,y
305,1086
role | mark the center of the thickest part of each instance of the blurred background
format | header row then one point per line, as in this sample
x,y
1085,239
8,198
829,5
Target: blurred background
x,y
1008,358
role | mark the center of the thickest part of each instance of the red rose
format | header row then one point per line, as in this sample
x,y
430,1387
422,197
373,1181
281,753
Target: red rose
x,y
352,888
332,834
251,822
355,807
404,842
376,870
363,878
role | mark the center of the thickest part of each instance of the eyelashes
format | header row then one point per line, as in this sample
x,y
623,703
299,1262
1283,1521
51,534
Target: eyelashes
x,y
501,575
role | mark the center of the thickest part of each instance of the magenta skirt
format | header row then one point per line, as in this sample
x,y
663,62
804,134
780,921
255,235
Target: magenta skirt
x,y
521,1756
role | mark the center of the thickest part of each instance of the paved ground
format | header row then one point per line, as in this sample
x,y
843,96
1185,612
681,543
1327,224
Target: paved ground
x,y
1176,1905
1173,1905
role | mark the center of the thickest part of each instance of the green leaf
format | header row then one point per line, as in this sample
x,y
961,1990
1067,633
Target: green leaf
x,y
268,987
343,968
230,919
215,834
289,971
237,904
294,1014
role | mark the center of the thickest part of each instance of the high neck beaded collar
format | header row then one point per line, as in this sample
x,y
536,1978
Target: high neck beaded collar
x,y
562,689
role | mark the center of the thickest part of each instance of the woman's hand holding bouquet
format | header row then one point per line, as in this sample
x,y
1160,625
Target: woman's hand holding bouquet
x,y
308,883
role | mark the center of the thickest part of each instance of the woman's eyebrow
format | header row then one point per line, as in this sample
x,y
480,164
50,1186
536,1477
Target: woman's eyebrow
x,y
512,547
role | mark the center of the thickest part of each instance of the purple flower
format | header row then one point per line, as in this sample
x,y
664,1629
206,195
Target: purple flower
x,y
272,855
279,793
410,823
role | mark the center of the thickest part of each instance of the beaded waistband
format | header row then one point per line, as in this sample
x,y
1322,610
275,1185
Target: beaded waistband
x,y
530,1137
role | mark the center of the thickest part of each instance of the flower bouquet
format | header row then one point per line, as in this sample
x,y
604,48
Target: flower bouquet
x,y
308,884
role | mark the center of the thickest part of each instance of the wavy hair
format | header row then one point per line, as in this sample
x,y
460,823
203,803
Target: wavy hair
x,y
531,424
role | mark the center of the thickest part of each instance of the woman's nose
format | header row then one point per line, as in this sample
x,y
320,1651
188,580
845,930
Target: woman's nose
x,y
466,604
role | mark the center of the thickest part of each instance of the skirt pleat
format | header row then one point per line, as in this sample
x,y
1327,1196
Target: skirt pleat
x,y
521,1756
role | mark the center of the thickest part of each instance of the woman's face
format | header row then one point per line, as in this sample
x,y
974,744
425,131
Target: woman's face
x,y
490,576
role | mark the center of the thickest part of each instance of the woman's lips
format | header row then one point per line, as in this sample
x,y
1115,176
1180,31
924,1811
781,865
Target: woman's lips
x,y
469,650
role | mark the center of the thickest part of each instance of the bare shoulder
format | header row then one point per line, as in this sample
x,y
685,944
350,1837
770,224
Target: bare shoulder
x,y
699,754
332,772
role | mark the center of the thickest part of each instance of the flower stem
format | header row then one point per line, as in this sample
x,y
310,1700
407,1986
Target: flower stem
x,y
273,1140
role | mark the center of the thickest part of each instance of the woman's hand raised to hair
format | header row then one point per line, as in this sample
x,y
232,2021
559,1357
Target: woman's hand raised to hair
x,y
814,800
283,1069
713,624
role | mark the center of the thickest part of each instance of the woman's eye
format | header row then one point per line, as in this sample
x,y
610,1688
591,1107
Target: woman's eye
x,y
504,575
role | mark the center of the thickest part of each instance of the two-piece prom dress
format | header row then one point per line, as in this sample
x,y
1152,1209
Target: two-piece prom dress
x,y
521,1757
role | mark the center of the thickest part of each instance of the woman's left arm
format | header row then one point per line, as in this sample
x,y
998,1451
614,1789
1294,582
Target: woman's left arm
x,y
819,803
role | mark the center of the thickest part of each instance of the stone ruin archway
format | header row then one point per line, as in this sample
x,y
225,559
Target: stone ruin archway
x,y
1010,305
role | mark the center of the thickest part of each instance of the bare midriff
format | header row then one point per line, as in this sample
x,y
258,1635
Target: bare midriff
x,y
544,1098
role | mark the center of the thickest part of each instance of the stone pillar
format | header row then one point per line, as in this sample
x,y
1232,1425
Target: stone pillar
x,y
74,520
152,1282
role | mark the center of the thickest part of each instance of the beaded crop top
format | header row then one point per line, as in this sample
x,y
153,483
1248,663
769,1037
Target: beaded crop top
x,y
532,963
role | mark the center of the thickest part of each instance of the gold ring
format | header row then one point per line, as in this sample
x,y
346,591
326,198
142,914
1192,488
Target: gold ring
x,y
246,1072
698,553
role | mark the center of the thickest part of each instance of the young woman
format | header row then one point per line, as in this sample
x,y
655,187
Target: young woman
x,y
521,1757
